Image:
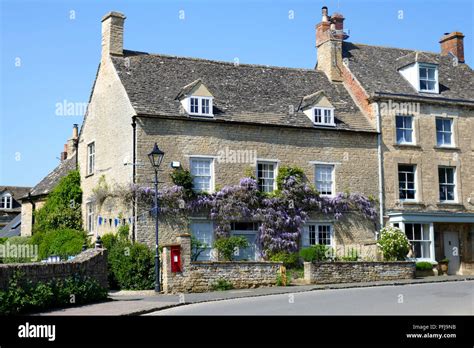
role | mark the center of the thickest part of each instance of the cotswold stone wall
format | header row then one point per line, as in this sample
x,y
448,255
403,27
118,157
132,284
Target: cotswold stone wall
x,y
200,276
353,272
91,263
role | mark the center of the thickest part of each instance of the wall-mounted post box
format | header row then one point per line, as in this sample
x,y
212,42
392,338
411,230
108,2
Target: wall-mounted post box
x,y
175,259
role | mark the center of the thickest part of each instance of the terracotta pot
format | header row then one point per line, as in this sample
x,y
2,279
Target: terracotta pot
x,y
443,266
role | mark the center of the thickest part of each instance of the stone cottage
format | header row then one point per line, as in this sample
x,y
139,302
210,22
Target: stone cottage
x,y
422,103
204,115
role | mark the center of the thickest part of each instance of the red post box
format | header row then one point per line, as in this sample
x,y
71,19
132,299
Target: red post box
x,y
176,259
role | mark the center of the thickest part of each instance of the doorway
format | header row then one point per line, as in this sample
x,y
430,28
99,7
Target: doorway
x,y
451,251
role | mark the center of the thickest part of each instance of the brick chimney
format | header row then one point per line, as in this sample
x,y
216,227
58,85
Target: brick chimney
x,y
454,43
329,37
112,34
71,146
64,153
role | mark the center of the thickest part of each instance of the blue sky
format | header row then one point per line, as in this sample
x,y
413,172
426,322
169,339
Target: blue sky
x,y
50,55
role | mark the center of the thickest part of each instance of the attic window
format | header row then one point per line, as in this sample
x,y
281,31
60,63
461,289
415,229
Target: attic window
x,y
200,106
6,201
323,116
428,78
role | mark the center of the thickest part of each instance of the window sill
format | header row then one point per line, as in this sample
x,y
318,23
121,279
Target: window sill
x,y
410,146
447,148
411,203
450,204
201,115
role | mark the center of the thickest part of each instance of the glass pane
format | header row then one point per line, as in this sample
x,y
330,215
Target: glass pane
x,y
409,231
423,73
408,122
447,125
430,85
439,138
450,175
426,232
417,249
425,250
450,193
447,138
408,138
399,121
400,137
439,124
431,74
442,193
441,175
417,231
410,194
423,85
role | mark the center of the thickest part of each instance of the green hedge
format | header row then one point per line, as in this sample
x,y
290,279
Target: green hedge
x,y
316,252
62,242
424,266
130,265
24,297
290,260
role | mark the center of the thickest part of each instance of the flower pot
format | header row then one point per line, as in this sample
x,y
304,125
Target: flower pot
x,y
443,267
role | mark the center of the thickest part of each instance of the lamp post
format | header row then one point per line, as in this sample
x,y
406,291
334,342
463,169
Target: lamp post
x,y
155,157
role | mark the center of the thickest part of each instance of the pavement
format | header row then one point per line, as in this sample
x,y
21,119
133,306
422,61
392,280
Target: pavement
x,y
143,302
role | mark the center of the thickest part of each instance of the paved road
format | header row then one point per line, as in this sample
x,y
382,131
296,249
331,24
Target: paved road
x,y
420,299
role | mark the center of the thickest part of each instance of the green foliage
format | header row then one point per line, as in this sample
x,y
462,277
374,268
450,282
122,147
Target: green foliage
x,y
351,255
197,247
61,242
62,208
445,260
393,243
22,296
290,260
424,266
285,172
130,265
20,250
183,178
222,285
283,279
318,252
226,246
249,172
3,240
123,231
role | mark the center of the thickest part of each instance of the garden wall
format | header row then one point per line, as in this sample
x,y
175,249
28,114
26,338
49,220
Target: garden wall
x,y
201,275
91,263
353,272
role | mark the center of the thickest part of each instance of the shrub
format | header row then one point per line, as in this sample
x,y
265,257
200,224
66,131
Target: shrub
x,y
424,266
131,265
222,285
283,279
24,297
123,231
351,255
62,208
226,246
318,252
197,247
285,172
290,260
393,243
183,178
20,250
62,242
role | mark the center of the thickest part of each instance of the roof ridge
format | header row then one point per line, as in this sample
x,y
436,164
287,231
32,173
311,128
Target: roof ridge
x,y
395,48
221,61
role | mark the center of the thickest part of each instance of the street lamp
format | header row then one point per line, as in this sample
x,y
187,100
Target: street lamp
x,y
155,157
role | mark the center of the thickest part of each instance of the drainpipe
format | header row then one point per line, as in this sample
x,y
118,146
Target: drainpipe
x,y
380,163
134,126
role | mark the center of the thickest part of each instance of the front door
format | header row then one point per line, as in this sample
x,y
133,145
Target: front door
x,y
451,251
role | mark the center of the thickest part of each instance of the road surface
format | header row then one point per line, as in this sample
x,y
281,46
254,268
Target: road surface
x,y
450,298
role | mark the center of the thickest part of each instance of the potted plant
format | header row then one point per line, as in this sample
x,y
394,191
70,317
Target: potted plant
x,y
424,269
443,266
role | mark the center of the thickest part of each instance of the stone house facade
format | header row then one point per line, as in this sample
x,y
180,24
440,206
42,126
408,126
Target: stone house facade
x,y
422,104
219,120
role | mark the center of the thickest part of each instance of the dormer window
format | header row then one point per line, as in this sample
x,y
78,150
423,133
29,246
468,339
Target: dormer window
x,y
200,106
428,78
323,116
6,201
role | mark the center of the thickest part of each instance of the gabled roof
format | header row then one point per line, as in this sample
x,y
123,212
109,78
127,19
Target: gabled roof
x,y
13,228
16,191
376,68
242,93
186,90
414,57
49,182
310,100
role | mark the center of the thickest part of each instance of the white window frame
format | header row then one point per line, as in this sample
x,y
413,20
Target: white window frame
x,y
90,211
254,232
6,201
90,158
402,226
333,178
454,184
200,106
209,247
405,129
305,242
211,171
436,84
415,183
275,172
323,115
443,131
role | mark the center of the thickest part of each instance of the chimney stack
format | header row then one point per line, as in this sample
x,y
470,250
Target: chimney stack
x,y
454,43
112,34
64,153
329,37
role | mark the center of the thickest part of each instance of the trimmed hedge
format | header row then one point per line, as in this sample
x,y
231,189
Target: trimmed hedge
x,y
62,242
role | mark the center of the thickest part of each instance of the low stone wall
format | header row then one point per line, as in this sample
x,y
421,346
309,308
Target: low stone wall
x,y
91,263
353,272
201,275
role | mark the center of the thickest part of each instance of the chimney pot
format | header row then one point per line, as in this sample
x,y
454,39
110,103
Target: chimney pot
x,y
453,43
75,131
